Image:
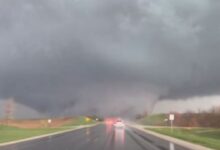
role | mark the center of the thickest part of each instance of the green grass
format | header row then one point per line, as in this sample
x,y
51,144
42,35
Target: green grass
x,y
8,133
80,121
157,119
11,133
204,136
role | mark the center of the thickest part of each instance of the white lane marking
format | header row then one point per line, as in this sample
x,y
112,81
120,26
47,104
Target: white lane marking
x,y
172,147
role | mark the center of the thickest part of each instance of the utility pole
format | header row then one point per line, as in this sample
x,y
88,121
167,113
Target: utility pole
x,y
9,109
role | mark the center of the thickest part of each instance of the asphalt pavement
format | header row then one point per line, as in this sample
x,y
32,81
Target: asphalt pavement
x,y
100,137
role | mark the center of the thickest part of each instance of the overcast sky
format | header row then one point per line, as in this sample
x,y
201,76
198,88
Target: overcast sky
x,y
108,56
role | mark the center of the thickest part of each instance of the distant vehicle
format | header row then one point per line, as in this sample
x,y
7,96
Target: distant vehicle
x,y
110,121
119,124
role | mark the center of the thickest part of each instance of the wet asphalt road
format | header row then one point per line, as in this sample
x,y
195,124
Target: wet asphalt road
x,y
101,137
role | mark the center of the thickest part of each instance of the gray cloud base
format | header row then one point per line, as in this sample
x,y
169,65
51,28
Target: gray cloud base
x,y
108,56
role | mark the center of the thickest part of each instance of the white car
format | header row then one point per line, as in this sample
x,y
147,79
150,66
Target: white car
x,y
119,124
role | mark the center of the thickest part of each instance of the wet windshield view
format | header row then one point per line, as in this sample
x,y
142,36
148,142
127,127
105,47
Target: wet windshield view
x,y
109,75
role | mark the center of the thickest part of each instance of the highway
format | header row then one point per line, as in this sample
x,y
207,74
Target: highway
x,y
100,137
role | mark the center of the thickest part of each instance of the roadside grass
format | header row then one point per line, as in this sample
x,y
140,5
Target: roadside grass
x,y
8,133
157,119
208,137
12,133
80,121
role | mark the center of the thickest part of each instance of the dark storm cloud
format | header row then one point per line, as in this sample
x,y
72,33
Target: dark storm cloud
x,y
89,56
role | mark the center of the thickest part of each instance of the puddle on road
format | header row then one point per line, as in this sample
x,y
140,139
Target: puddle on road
x,y
120,136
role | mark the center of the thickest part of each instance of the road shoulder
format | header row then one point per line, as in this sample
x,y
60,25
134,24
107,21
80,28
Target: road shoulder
x,y
185,144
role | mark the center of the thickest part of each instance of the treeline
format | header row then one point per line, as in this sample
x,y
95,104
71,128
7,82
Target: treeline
x,y
203,119
209,118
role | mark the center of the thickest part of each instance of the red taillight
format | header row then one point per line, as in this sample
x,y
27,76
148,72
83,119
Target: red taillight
x,y
110,121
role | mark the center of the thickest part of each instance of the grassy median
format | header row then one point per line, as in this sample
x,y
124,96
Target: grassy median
x,y
208,137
